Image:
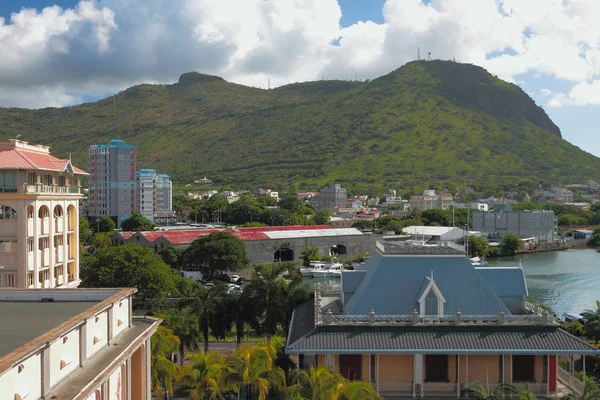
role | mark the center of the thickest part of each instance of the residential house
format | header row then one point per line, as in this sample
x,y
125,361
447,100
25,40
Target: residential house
x,y
421,321
430,200
332,198
563,195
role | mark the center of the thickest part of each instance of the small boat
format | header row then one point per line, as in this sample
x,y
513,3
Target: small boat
x,y
477,262
333,271
308,271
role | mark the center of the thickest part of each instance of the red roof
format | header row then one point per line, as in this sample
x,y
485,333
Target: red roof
x,y
187,236
18,158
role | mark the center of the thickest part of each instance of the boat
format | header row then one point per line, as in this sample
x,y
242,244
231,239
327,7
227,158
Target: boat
x,y
477,262
308,271
329,271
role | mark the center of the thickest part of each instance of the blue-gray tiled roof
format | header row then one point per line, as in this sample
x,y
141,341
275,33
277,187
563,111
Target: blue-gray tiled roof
x,y
506,282
392,284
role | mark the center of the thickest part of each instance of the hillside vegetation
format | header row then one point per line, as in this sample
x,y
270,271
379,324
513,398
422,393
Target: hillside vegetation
x,y
425,124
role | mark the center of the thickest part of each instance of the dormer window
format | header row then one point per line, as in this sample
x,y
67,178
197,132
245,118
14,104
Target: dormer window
x,y
431,301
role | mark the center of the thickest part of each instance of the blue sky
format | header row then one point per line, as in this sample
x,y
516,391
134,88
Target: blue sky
x,y
551,53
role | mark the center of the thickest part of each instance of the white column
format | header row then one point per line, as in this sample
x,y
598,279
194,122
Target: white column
x,y
377,372
45,383
458,375
82,343
128,377
418,371
511,369
148,382
467,372
503,368
370,369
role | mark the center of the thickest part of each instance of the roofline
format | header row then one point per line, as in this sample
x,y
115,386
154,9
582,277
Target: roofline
x,y
440,351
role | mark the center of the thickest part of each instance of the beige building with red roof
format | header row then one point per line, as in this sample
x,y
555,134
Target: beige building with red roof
x,y
39,217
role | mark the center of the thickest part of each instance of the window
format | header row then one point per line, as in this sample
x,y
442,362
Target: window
x,y
351,366
7,212
436,368
8,181
47,179
32,178
431,304
523,368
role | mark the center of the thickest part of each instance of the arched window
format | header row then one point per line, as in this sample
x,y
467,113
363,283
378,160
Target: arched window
x,y
7,212
72,217
43,212
30,212
58,212
283,255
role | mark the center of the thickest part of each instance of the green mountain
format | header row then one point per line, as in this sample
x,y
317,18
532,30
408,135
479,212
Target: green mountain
x,y
425,124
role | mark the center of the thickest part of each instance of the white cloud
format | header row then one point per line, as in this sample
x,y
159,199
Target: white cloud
x,y
105,45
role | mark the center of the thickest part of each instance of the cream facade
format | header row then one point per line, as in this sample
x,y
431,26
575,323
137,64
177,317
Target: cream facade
x,y
98,352
39,221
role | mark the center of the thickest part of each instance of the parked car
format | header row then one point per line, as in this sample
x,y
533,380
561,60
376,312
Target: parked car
x,y
234,289
238,280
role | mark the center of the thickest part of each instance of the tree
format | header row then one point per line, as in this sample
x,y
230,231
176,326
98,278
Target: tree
x,y
137,222
130,265
206,303
309,254
322,216
590,392
254,367
171,255
214,254
591,322
510,244
84,230
323,384
104,224
100,240
291,202
477,246
205,378
185,326
163,370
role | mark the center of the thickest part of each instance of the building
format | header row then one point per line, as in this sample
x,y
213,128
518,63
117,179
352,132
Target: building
x,y
593,185
39,217
112,185
563,195
332,197
540,225
269,193
79,344
430,200
154,196
583,234
421,321
434,234
264,244
473,206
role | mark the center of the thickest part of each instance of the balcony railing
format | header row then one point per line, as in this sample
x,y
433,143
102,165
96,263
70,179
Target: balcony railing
x,y
8,279
439,389
50,189
395,389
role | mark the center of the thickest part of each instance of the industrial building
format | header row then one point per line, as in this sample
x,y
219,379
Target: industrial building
x,y
538,224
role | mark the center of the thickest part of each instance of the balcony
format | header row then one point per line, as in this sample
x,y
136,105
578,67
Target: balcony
x,y
48,189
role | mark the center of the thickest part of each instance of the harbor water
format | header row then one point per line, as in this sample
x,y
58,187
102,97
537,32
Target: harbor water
x,y
567,281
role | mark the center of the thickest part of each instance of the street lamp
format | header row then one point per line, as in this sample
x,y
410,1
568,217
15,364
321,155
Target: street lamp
x,y
250,212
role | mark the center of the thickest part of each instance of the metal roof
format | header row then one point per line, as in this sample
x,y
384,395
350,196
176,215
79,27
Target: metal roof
x,y
432,230
441,340
18,158
301,233
506,281
392,284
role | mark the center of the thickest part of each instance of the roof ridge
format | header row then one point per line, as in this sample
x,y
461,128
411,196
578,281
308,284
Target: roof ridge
x,y
27,159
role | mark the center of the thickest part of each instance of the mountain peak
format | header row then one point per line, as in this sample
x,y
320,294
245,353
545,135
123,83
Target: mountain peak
x,y
196,77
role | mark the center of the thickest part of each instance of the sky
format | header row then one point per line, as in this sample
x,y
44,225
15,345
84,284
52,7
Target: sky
x,y
62,52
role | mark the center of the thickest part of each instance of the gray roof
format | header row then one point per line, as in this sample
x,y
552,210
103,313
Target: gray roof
x,y
505,281
392,284
303,320
351,280
23,321
441,340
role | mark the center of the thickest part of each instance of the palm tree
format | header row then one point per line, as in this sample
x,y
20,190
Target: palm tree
x,y
205,303
353,390
254,368
205,376
163,370
269,290
526,394
322,384
590,392
185,325
477,390
591,323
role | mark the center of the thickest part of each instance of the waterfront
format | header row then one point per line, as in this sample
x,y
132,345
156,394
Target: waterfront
x,y
567,281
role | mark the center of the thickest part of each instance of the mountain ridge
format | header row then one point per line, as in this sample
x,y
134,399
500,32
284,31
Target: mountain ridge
x,y
426,123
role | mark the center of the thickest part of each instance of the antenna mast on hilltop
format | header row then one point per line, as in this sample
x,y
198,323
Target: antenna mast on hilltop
x,y
429,56
418,54
269,84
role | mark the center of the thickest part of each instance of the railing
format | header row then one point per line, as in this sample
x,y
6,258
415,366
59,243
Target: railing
x,y
38,188
439,389
532,308
395,389
537,388
416,319
570,381
8,279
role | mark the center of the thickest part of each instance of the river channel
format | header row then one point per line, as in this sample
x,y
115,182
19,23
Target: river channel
x,y
567,281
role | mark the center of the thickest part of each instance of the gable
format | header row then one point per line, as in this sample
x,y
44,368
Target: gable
x,y
393,285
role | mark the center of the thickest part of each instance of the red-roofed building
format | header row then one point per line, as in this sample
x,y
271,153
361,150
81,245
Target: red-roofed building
x,y
39,217
263,244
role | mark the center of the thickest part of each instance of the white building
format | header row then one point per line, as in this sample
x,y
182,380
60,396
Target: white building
x,y
39,218
332,198
473,206
434,234
154,196
112,180
76,344
593,185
